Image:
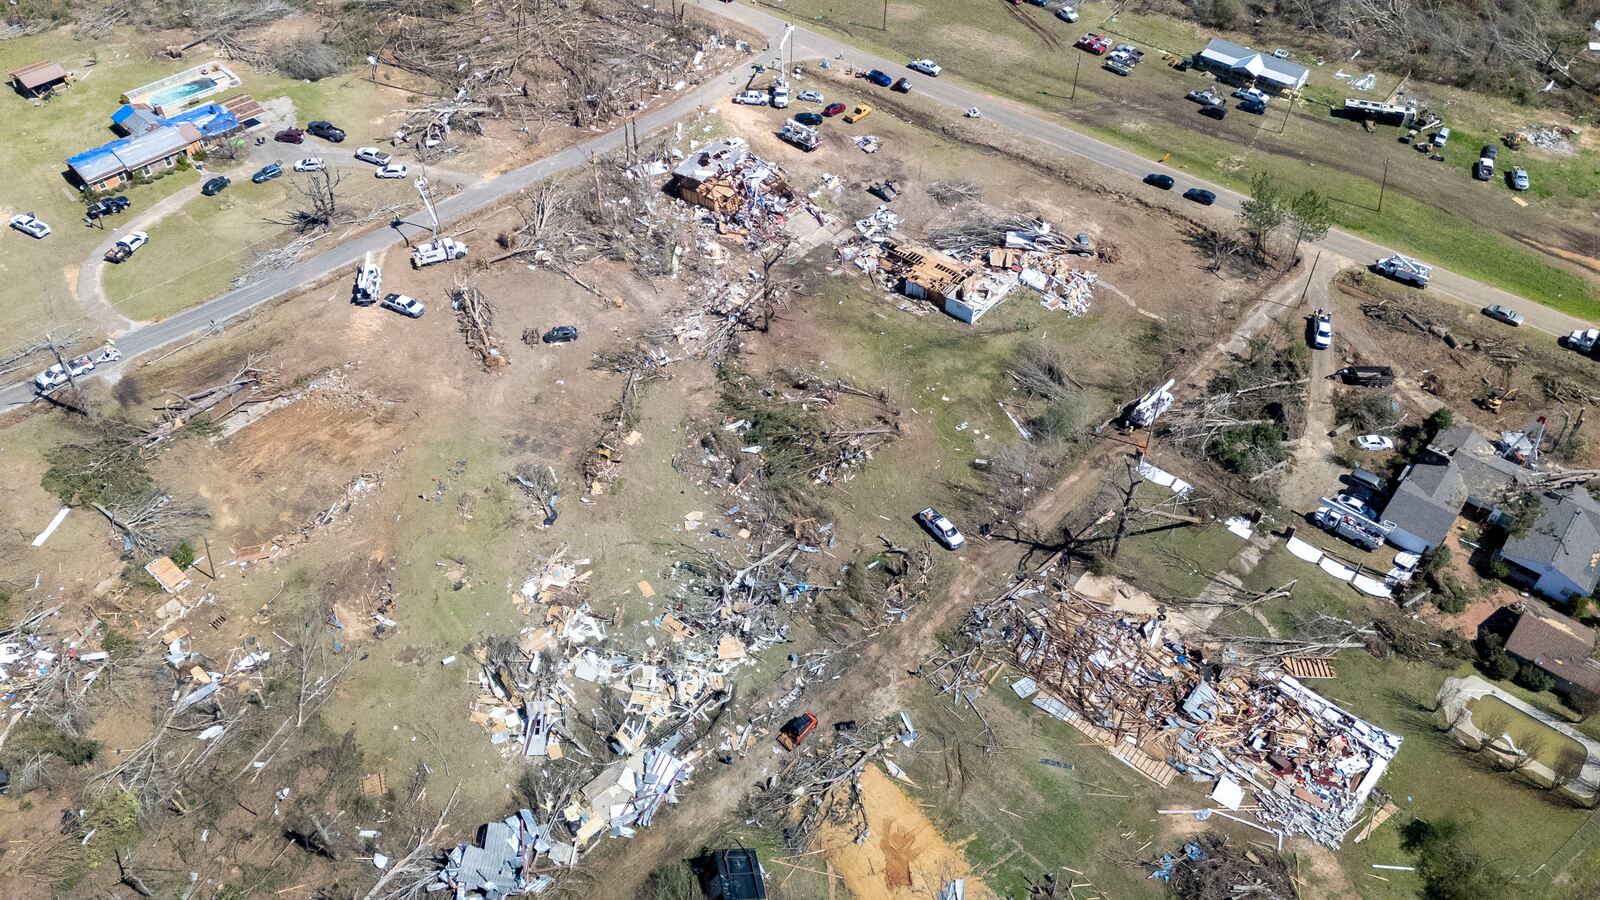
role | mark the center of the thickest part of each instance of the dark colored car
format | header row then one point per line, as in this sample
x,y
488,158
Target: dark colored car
x,y
902,86
1214,112
1253,106
811,119
1156,179
267,173
1202,197
107,207
290,136
561,334
834,109
878,78
215,186
328,131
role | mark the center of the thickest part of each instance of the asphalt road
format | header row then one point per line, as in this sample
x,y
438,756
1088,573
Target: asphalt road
x,y
807,45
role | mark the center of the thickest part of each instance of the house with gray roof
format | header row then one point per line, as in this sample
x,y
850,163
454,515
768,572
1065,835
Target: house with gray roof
x,y
1263,70
1461,471
1559,555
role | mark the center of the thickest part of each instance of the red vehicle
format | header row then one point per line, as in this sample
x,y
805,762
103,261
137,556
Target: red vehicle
x,y
833,109
1094,43
290,136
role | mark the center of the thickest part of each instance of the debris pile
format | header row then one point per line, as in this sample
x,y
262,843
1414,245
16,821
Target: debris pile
x,y
1211,868
1161,708
738,193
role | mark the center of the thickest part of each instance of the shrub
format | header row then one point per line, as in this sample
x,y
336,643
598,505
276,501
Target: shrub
x,y
1501,666
182,555
1450,868
1535,679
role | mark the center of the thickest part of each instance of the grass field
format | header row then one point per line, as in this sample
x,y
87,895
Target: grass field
x,y
40,138
1431,209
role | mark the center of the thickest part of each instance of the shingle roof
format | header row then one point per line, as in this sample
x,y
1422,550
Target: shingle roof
x,y
1565,537
1556,643
36,75
1427,502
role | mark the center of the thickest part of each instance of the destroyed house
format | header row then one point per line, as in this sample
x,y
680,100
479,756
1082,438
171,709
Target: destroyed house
x,y
965,291
723,177
1242,64
1558,556
1557,644
1459,472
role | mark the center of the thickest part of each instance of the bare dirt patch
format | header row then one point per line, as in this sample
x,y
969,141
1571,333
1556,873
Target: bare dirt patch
x,y
906,855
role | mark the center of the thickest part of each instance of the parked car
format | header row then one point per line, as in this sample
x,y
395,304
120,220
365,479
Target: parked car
x,y
1094,43
1200,196
1503,314
125,246
834,109
267,172
1250,94
1374,443
1206,97
809,97
328,131
1519,178
925,66
215,186
561,334
392,170
1355,503
373,155
750,98
1067,14
31,225
878,78
1321,330
290,136
860,112
405,306
1214,112
106,206
310,164
809,118
942,529
1117,66
902,86
1157,180
1483,169
1254,107
56,375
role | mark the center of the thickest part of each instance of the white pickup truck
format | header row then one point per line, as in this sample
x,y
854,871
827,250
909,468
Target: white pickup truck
x,y
437,251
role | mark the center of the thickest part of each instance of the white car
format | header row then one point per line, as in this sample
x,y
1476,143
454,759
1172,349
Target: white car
x,y
31,225
392,170
750,98
1322,333
405,306
56,376
1374,443
437,251
373,155
1067,14
310,164
925,66
943,530
809,97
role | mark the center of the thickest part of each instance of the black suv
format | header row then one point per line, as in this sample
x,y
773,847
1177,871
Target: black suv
x,y
561,334
214,186
326,130
106,207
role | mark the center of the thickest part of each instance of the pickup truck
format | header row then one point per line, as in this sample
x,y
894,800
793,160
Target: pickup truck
x,y
1117,66
437,251
125,246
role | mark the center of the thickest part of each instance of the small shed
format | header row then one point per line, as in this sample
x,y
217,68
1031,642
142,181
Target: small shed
x,y
37,78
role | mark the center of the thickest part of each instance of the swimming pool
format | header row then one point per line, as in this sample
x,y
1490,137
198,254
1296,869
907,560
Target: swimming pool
x,y
171,95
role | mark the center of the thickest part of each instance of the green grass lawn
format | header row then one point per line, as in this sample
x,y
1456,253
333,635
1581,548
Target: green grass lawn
x,y
39,140
1430,209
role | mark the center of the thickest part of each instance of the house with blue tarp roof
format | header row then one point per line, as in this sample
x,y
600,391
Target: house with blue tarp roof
x,y
154,142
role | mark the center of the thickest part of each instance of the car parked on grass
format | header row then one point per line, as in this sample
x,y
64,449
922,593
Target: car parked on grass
x,y
878,78
1503,314
392,170
1374,443
1200,196
941,528
125,246
1094,43
1158,180
1214,112
311,164
267,173
1254,107
31,225
290,136
751,98
809,118
1067,14
1518,178
1321,330
809,97
328,131
925,66
215,186
834,109
405,306
107,206
860,112
561,334
373,155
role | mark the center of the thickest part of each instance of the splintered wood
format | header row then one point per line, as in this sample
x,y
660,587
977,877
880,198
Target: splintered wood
x,y
475,319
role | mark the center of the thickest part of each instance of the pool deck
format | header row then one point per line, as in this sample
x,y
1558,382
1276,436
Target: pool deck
x,y
226,80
